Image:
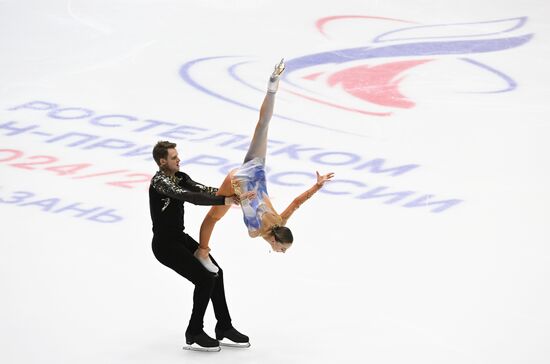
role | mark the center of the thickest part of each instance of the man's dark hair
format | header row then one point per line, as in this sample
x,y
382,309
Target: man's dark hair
x,y
161,150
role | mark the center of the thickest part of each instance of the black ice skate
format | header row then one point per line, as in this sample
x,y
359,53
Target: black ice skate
x,y
201,342
233,338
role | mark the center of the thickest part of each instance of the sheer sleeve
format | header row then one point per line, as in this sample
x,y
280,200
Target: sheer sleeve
x,y
188,183
166,186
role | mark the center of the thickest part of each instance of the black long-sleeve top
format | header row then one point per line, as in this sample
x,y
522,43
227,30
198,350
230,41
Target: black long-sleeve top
x,y
167,196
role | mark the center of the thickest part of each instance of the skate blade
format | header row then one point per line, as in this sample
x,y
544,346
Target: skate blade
x,y
232,344
195,347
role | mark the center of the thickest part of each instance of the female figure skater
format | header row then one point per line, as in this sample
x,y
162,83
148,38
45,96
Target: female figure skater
x,y
249,183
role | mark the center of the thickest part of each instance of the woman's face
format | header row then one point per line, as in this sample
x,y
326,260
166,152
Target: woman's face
x,y
279,247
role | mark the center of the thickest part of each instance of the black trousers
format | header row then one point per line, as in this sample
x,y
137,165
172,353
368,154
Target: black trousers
x,y
176,251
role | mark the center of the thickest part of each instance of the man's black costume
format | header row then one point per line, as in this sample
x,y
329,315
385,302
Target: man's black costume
x,y
174,248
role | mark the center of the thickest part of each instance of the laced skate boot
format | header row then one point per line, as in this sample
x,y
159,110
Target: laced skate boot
x,y
231,337
206,262
273,84
201,342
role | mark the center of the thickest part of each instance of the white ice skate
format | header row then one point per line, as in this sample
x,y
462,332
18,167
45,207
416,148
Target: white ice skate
x,y
206,262
273,84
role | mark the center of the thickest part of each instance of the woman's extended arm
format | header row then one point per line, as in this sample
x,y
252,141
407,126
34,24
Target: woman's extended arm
x,y
305,195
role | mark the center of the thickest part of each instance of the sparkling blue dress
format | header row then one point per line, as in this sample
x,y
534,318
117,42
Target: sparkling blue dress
x,y
251,177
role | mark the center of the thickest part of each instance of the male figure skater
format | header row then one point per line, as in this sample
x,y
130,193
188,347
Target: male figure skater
x,y
168,191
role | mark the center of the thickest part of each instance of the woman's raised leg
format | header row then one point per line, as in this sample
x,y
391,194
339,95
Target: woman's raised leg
x,y
258,145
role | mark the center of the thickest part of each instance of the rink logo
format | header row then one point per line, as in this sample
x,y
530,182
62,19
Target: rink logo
x,y
373,73
366,80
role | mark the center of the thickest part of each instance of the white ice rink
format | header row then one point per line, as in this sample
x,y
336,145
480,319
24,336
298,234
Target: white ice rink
x,y
431,245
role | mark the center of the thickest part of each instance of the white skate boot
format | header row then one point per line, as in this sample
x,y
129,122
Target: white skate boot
x,y
273,84
206,262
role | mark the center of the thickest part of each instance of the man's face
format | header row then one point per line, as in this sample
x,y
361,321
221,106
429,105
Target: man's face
x,y
171,164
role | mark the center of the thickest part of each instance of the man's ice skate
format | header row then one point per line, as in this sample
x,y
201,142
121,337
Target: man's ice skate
x,y
206,262
231,337
273,84
201,342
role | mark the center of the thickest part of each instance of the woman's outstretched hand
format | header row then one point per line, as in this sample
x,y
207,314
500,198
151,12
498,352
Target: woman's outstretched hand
x,y
322,179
